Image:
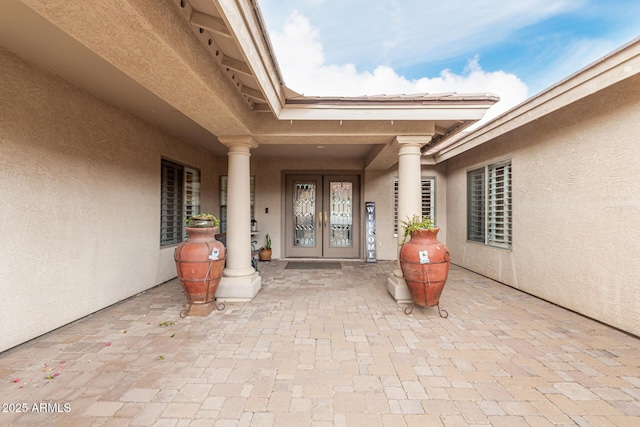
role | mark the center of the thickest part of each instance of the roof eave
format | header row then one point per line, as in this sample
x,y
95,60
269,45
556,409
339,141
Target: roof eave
x,y
393,108
607,71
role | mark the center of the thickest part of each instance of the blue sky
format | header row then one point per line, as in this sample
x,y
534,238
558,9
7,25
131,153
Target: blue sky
x,y
512,48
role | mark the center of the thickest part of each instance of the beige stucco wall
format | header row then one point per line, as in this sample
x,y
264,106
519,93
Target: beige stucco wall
x,y
80,210
576,207
379,189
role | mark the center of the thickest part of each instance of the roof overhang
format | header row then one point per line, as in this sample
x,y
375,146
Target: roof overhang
x,y
202,68
385,111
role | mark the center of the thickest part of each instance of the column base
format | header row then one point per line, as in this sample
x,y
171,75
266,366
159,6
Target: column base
x,y
398,289
239,288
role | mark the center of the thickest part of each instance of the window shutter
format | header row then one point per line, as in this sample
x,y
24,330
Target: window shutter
x,y
223,204
499,205
171,203
191,193
427,198
476,205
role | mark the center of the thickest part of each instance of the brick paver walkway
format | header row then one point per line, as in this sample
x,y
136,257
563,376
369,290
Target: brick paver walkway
x,y
325,348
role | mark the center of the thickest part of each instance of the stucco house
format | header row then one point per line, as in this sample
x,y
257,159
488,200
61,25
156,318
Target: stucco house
x,y
120,117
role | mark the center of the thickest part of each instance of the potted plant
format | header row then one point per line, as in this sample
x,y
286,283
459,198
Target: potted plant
x,y
203,220
199,264
424,262
265,251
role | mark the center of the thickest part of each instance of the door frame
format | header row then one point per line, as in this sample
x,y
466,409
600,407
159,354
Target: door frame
x,y
286,233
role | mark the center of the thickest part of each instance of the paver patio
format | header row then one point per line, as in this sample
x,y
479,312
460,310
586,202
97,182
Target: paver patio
x,y
324,348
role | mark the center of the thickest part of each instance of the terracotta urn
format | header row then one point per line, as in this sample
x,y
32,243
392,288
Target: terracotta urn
x,y
199,263
425,266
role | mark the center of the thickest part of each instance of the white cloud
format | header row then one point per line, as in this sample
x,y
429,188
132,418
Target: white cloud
x,y
411,32
302,62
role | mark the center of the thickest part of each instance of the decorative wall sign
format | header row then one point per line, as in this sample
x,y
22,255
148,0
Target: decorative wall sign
x,y
370,239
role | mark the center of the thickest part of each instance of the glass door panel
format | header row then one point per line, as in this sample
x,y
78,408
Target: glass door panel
x,y
341,204
304,214
340,214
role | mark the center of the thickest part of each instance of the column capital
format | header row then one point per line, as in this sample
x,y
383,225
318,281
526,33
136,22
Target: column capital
x,y
238,141
413,139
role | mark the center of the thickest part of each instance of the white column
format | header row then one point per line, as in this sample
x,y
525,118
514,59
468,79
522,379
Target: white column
x,y
409,179
409,200
240,281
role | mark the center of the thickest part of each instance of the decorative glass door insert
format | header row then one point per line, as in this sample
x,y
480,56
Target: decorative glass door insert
x,y
322,216
304,214
341,214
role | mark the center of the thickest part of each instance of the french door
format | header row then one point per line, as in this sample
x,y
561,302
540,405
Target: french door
x,y
322,218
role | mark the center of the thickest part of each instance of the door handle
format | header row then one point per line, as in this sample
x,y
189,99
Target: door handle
x,y
320,220
325,218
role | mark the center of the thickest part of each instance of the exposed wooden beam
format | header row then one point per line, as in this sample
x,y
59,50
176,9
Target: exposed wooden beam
x,y
262,107
252,93
236,65
210,23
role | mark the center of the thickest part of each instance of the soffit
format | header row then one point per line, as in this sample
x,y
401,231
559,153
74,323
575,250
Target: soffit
x,y
30,36
201,68
233,36
283,116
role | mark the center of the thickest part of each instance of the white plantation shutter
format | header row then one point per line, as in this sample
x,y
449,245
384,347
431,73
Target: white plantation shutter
x,y
475,205
499,205
489,205
427,196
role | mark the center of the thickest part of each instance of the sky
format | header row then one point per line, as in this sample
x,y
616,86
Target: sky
x,y
511,48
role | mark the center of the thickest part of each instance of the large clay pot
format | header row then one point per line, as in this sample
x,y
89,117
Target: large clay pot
x,y
425,266
199,263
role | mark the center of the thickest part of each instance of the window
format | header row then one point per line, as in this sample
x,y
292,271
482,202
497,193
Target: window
x,y
180,198
475,205
223,201
489,205
428,200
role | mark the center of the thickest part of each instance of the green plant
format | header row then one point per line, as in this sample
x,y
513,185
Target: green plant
x,y
267,242
416,223
216,221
